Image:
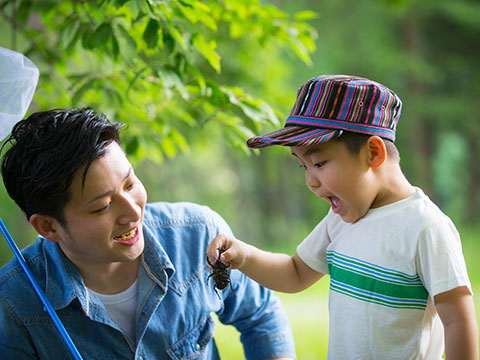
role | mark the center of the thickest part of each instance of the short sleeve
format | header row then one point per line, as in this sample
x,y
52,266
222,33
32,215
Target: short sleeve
x,y
440,259
313,250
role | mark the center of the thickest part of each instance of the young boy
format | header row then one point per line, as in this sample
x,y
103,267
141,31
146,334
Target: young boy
x,y
397,272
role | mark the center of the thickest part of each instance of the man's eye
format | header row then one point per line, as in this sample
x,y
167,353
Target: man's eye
x,y
102,209
319,164
304,167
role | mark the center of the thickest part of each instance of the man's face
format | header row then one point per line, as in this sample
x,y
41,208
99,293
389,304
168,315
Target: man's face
x,y
104,217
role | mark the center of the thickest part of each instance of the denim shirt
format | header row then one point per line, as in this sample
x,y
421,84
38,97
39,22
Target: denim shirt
x,y
173,316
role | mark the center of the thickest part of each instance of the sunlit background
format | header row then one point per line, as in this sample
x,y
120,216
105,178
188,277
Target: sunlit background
x,y
426,51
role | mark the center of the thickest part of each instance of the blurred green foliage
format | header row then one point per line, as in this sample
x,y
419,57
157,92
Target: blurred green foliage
x,y
154,65
203,76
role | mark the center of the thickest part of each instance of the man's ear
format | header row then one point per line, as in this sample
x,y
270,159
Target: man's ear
x,y
377,151
45,226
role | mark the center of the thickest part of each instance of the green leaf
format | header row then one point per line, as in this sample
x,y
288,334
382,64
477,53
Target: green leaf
x,y
115,47
87,37
102,35
215,94
135,78
150,35
82,90
131,145
301,51
305,15
207,50
168,147
130,40
177,36
23,11
71,34
179,139
171,79
120,3
198,76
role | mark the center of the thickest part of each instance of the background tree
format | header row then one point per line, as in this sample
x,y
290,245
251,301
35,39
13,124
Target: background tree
x,y
156,65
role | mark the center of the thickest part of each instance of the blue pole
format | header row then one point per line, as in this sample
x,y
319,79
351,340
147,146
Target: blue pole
x,y
39,292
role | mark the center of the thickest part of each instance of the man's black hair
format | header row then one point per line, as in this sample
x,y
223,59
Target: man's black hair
x,y
47,149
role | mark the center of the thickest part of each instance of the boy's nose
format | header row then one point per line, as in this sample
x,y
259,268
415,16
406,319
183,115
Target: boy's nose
x,y
311,180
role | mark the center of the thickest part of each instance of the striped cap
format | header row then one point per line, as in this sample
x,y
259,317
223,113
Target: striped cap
x,y
330,104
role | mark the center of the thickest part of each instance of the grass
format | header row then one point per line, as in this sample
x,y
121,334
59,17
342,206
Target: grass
x,y
308,311
308,315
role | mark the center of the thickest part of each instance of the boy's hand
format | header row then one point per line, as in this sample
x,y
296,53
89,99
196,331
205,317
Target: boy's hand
x,y
235,252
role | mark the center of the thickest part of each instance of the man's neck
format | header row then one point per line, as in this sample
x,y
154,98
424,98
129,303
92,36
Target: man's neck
x,y
110,278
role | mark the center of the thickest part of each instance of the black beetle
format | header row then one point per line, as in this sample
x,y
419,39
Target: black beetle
x,y
220,275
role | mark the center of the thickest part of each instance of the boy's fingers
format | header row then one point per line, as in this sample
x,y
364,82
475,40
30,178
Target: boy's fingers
x,y
212,249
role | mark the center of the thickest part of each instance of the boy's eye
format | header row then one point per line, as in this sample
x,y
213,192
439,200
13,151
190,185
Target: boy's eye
x,y
319,164
304,167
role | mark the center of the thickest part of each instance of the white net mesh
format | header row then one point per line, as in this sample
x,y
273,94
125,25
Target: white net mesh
x,y
18,79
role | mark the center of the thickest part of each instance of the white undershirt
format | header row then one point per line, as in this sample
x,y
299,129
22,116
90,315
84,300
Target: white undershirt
x,y
122,308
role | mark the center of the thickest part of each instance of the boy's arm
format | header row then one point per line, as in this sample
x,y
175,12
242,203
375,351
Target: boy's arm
x,y
457,312
279,272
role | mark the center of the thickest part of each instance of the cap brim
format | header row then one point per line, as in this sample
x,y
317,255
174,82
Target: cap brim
x,y
294,136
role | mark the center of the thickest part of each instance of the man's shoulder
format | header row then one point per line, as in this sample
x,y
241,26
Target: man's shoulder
x,y
15,287
33,256
171,213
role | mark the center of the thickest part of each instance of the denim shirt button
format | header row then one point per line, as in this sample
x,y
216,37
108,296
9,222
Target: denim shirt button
x,y
197,347
140,358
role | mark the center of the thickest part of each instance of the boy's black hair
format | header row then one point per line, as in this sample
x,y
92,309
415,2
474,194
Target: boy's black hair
x,y
354,141
47,149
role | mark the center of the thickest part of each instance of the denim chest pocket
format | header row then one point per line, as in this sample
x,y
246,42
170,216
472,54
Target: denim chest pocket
x,y
193,344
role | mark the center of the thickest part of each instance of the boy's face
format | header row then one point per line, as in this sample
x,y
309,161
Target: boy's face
x,y
104,217
343,180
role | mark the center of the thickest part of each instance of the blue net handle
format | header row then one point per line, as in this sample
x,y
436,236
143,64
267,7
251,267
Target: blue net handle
x,y
38,290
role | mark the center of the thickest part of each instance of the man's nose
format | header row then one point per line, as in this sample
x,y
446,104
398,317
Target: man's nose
x,y
130,210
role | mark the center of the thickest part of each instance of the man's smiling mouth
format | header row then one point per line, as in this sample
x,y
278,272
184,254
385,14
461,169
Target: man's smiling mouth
x,y
127,236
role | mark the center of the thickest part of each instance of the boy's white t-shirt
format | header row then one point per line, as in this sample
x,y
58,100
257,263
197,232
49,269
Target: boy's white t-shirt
x,y
384,271
122,308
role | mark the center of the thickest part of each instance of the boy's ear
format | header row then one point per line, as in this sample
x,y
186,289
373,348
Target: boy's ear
x,y
377,151
45,226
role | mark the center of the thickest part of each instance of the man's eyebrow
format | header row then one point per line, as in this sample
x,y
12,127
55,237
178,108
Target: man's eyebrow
x,y
106,193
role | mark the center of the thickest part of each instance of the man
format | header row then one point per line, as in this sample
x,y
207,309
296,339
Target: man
x,y
128,279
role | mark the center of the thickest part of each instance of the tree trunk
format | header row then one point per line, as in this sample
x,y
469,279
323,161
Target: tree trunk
x,y
422,133
473,198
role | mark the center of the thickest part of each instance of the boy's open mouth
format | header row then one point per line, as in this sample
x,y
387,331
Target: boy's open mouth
x,y
334,203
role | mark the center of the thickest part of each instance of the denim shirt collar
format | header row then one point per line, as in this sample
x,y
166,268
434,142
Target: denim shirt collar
x,y
64,283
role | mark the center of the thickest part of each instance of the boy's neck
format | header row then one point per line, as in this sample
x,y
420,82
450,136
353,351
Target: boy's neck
x,y
393,185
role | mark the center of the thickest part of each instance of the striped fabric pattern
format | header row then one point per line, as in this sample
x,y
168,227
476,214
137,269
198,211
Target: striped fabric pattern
x,y
375,284
329,104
